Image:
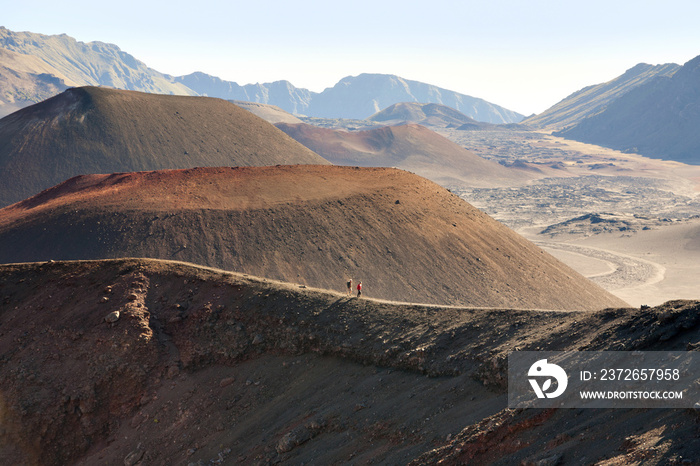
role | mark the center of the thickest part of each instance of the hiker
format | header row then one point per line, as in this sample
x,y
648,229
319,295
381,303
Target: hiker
x,y
359,289
350,287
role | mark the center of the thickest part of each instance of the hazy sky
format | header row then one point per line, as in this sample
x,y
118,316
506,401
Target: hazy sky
x,y
523,55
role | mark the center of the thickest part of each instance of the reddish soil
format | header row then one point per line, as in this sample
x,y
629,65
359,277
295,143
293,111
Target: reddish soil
x,y
203,365
406,238
98,130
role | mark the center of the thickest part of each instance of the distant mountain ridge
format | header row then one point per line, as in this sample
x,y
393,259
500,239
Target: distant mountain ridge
x,y
594,99
658,119
353,97
279,93
91,64
366,94
102,64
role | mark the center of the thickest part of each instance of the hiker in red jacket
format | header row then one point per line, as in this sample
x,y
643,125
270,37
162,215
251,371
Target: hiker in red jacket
x,y
359,289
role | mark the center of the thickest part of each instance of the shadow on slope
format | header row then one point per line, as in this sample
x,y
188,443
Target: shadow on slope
x,y
202,364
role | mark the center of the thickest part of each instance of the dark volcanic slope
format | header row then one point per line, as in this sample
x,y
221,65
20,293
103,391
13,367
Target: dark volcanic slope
x,y
658,119
410,147
97,130
405,237
202,365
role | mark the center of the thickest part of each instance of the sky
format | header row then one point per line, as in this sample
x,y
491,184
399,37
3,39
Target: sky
x,y
523,55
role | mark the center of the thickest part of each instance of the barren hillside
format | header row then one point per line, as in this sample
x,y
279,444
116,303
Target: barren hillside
x,y
424,114
594,99
410,147
405,237
270,113
150,362
657,119
97,130
90,64
26,80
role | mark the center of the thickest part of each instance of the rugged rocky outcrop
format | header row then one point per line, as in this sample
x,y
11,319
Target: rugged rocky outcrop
x,y
203,365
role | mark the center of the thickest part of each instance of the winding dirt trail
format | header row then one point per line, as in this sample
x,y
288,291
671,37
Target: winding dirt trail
x,y
615,271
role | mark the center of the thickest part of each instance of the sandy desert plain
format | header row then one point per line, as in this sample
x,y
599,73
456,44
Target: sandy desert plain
x,y
630,223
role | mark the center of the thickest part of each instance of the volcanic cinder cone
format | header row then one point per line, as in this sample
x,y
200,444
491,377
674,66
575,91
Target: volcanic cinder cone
x,y
98,130
404,237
